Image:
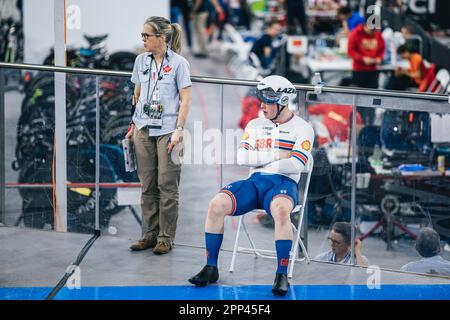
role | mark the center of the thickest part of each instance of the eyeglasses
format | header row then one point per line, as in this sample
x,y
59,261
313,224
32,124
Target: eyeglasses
x,y
334,241
145,36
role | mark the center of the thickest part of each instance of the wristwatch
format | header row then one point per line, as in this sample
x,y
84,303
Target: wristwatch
x,y
180,128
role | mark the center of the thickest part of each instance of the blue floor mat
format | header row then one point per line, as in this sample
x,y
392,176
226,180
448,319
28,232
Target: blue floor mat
x,y
218,292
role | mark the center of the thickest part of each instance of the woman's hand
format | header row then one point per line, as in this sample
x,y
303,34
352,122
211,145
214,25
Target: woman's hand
x,y
129,134
176,138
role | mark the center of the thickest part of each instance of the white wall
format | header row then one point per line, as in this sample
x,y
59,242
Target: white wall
x,y
121,19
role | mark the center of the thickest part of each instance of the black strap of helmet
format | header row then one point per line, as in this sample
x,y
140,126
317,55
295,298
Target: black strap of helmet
x,y
279,110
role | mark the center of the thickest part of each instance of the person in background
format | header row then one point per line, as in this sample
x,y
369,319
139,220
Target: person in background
x,y
411,77
349,19
340,240
429,248
200,13
184,8
411,40
337,119
366,48
240,14
296,15
162,98
263,47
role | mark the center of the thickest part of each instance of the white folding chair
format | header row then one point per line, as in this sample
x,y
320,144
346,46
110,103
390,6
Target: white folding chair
x,y
271,254
236,43
440,82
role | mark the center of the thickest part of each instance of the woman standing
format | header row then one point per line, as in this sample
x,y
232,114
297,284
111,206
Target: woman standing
x,y
162,97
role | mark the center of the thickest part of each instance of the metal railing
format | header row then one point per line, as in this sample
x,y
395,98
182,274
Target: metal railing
x,y
224,81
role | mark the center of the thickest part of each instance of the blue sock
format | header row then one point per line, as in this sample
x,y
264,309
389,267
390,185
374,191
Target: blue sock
x,y
283,248
213,243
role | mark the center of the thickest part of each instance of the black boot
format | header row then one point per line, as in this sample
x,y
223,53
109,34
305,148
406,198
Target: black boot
x,y
209,274
280,285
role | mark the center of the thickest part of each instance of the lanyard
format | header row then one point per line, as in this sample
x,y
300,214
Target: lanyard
x,y
150,75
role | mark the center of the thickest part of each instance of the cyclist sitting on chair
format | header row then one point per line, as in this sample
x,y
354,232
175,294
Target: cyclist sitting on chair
x,y
277,148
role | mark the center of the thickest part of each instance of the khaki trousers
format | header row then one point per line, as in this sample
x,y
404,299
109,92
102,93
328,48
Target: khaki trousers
x,y
160,178
200,31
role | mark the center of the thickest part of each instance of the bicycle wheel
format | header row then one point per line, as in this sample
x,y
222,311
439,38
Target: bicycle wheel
x,y
122,61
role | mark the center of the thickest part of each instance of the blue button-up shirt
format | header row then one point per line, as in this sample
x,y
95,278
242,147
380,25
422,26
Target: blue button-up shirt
x,y
174,75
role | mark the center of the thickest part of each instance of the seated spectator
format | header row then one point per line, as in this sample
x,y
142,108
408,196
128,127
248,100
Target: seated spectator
x,y
263,47
349,19
410,41
428,246
340,239
411,77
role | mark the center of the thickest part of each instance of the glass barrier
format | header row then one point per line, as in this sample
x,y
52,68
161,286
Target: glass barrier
x,y
26,155
80,148
331,178
30,158
240,107
29,132
200,158
119,189
400,183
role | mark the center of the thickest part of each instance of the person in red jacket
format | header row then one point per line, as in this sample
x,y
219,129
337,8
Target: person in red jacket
x,y
337,119
366,48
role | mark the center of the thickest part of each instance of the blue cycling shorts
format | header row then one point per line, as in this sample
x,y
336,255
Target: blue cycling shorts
x,y
258,191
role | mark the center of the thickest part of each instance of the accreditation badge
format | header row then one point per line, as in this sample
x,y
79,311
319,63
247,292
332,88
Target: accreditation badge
x,y
155,110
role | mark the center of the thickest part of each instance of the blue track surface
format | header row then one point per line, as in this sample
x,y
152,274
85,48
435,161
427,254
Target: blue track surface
x,y
215,292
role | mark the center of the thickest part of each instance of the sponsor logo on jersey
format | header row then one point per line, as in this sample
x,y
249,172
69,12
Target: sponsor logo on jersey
x,y
306,145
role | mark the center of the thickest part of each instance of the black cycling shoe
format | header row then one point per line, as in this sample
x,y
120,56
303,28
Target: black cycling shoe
x,y
280,285
209,274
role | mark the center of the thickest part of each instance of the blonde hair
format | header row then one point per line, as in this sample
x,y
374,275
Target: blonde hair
x,y
171,31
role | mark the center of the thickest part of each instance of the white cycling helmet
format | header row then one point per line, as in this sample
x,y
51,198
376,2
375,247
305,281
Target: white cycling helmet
x,y
276,90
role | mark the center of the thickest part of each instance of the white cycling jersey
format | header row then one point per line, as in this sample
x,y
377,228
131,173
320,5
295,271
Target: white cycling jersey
x,y
263,140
